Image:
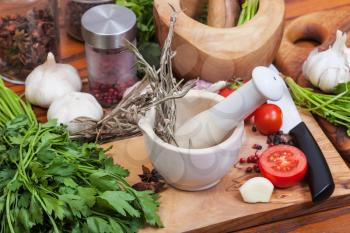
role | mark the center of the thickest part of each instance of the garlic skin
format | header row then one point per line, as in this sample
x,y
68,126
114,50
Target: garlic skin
x,y
74,105
50,81
327,69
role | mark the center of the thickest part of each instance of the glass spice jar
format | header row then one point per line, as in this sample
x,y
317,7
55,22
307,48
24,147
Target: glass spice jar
x,y
111,66
28,31
74,10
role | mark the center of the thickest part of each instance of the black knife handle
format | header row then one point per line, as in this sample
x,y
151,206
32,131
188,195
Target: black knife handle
x,y
319,176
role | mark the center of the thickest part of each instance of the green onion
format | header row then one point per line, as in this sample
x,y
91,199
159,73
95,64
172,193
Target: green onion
x,y
249,10
12,106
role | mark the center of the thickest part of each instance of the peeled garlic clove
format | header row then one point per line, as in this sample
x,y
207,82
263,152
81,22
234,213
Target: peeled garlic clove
x,y
257,189
74,105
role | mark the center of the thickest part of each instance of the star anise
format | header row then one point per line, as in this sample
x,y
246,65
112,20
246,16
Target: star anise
x,y
150,176
155,187
150,180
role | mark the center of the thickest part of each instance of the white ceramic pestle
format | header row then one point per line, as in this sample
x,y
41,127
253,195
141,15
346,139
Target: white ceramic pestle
x,y
210,127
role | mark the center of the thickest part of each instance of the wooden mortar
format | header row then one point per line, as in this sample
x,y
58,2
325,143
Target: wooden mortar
x,y
223,13
214,53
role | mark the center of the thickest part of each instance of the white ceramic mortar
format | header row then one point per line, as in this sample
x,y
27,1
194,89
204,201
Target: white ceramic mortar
x,y
192,169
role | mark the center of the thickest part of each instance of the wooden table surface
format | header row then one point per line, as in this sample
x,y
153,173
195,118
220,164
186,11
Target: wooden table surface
x,y
336,220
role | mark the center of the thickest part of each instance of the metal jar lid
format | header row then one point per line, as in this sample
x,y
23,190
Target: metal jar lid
x,y
108,26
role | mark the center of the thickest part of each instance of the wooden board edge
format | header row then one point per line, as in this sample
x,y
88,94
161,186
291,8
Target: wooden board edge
x,y
284,214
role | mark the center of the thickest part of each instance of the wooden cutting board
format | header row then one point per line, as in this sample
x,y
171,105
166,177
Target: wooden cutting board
x,y
221,208
300,37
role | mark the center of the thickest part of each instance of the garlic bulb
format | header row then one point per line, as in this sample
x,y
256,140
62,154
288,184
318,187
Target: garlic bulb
x,y
74,105
328,68
50,81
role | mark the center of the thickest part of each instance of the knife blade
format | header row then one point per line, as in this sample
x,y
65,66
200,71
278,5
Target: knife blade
x,y
319,177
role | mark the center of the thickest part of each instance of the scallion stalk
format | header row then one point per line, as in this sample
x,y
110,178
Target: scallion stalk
x,y
249,10
12,106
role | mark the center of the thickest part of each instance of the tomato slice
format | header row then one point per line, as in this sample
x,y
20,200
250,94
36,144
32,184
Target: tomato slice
x,y
283,165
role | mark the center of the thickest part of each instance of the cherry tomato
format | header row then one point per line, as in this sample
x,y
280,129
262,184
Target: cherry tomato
x,y
226,91
268,119
283,165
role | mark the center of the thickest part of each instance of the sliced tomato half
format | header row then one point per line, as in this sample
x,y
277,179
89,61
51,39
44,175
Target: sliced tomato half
x,y
283,165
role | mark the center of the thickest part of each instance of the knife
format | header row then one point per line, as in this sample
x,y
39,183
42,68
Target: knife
x,y
318,175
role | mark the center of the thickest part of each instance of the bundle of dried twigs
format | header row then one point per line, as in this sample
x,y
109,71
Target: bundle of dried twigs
x,y
158,88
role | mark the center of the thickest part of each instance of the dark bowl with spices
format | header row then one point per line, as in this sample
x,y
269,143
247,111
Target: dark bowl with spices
x,y
28,32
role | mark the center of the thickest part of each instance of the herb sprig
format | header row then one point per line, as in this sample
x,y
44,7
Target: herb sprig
x,y
333,107
143,10
49,183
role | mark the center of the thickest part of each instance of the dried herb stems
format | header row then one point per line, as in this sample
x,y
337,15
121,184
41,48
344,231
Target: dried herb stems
x,y
157,89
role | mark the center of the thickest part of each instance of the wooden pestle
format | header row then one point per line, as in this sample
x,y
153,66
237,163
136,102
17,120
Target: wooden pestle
x,y
223,13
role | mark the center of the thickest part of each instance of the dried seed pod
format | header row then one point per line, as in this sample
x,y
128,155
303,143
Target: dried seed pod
x,y
142,186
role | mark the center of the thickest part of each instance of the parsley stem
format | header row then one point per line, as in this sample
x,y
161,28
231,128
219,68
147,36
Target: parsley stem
x,y
47,212
8,214
335,108
34,141
100,214
84,179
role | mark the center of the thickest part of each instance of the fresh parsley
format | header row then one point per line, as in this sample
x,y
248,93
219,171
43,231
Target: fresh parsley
x,y
49,183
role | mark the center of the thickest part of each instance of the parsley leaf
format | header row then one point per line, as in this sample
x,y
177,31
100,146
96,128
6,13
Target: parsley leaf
x,y
103,181
6,175
54,205
115,169
147,200
98,225
119,200
24,219
59,167
77,205
88,195
35,211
